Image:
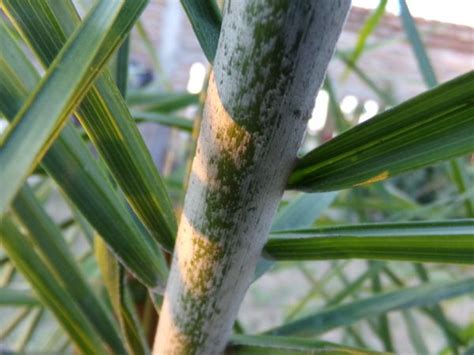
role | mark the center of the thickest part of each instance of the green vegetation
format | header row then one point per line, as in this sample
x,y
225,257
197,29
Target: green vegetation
x,y
127,260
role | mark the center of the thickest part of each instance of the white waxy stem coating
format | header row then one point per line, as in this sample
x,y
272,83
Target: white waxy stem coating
x,y
270,62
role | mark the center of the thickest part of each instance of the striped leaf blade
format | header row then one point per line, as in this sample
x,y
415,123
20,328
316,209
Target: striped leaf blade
x,y
80,177
458,171
443,242
367,29
161,102
103,112
206,19
164,119
434,126
48,289
301,212
265,344
114,281
66,81
346,314
52,247
10,297
423,61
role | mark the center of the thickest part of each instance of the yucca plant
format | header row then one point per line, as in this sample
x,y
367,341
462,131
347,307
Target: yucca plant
x,y
269,59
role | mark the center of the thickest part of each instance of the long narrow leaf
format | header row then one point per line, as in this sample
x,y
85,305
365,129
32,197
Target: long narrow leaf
x,y
27,334
11,324
382,328
435,312
415,333
152,54
48,289
369,26
120,67
73,167
164,119
261,344
9,297
352,286
347,314
303,211
445,242
299,213
434,126
65,83
114,281
422,58
112,272
55,252
458,172
340,122
383,95
206,19
103,112
161,102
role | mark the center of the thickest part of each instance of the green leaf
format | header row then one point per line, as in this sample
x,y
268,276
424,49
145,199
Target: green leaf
x,y
48,289
119,67
463,182
152,54
369,26
303,211
317,287
435,312
73,167
352,286
382,327
161,102
414,333
340,122
8,273
164,119
445,242
52,247
451,330
414,37
30,329
261,344
114,280
383,95
458,173
11,324
103,112
349,313
9,297
434,126
65,83
299,213
205,19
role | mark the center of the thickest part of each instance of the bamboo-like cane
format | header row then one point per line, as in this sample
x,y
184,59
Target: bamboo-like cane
x,y
270,62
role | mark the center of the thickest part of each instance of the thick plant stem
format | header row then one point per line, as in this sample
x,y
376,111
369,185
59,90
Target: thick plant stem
x,y
270,62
